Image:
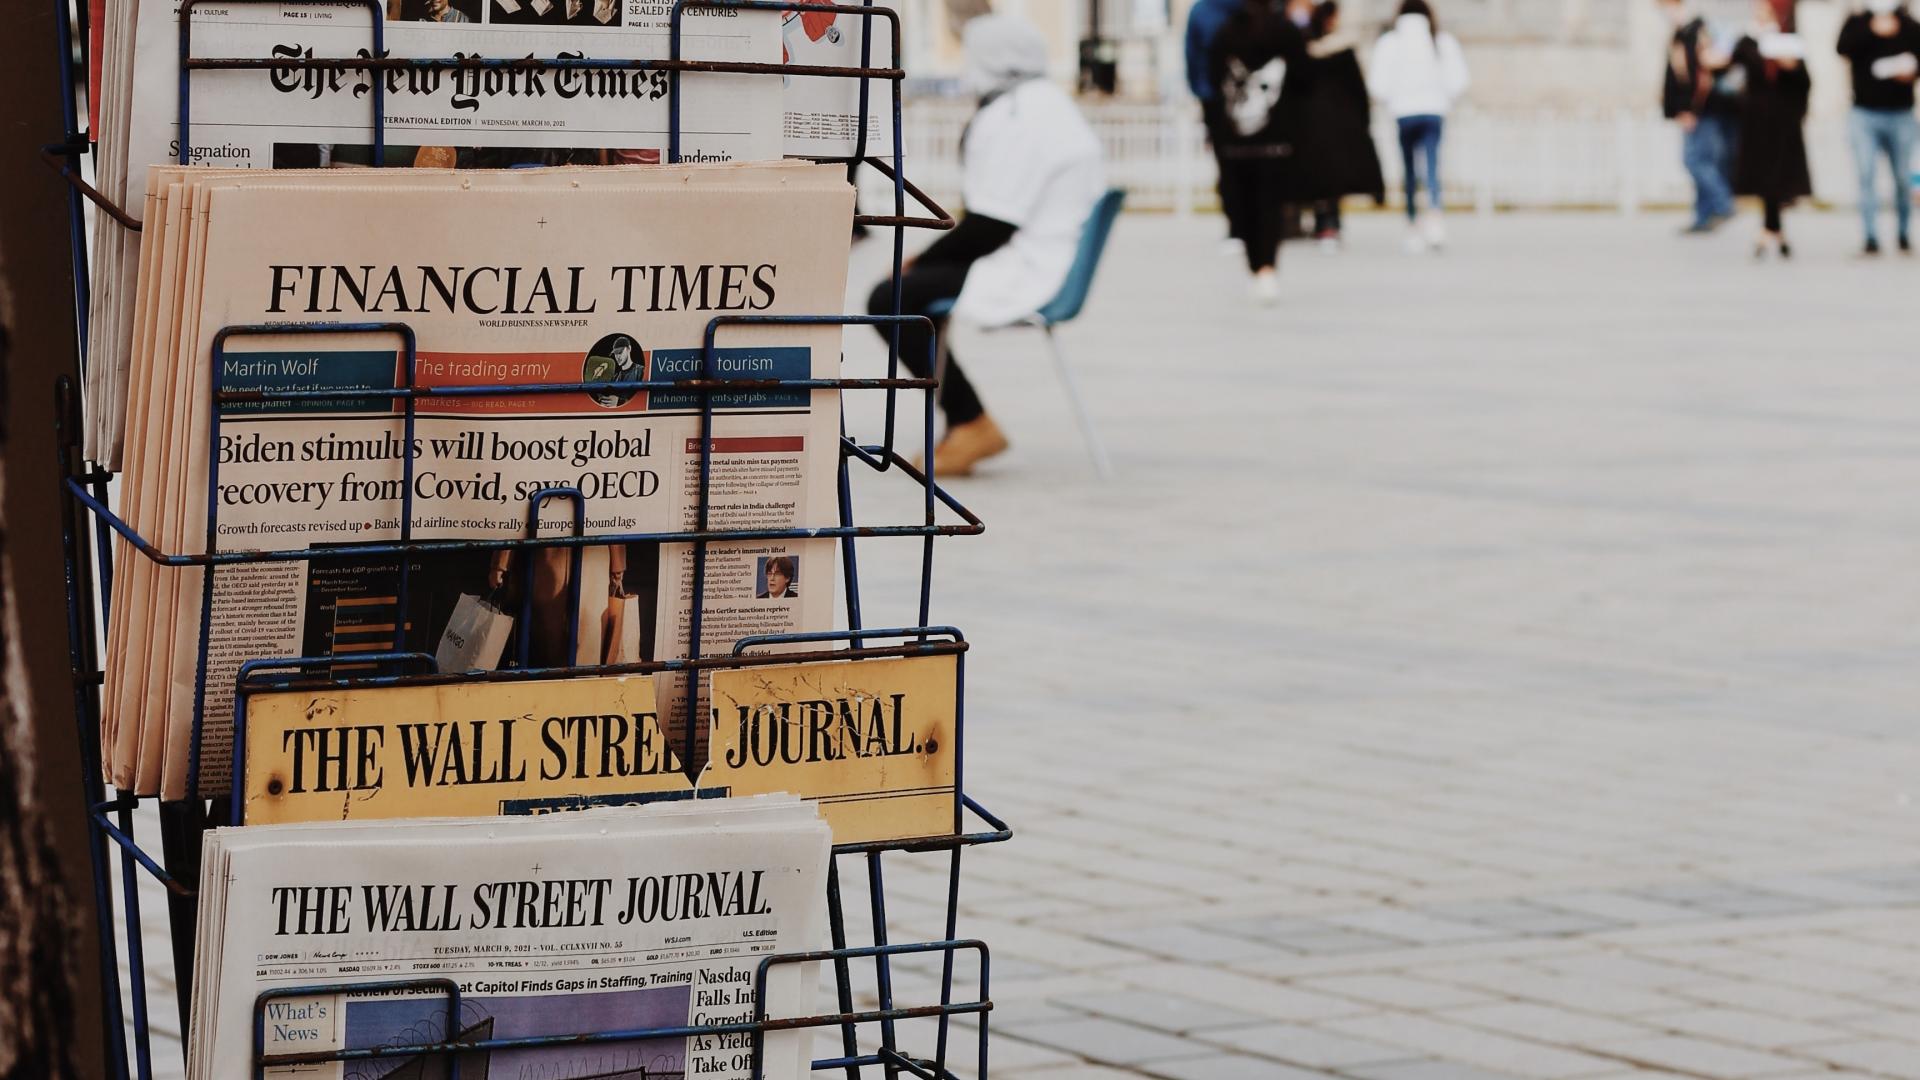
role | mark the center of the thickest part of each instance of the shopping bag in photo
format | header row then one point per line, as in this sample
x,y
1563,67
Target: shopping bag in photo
x,y
475,636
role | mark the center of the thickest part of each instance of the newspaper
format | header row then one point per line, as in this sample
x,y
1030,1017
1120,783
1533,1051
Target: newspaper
x,y
823,112
876,742
609,920
528,278
277,116
274,117
281,117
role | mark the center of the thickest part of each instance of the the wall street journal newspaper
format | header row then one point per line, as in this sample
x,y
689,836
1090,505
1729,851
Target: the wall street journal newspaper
x,y
521,281
619,919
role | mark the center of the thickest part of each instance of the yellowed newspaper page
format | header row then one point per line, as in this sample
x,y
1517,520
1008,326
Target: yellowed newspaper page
x,y
567,284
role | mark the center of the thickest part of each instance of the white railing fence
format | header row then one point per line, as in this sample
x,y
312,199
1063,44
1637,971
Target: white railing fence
x,y
1615,158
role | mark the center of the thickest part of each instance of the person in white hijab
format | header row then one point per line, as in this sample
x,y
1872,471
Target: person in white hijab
x,y
1031,172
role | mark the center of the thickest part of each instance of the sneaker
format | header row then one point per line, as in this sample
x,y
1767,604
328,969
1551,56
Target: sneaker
x,y
1786,249
1265,287
1700,228
1435,228
1872,246
967,445
1906,245
1416,244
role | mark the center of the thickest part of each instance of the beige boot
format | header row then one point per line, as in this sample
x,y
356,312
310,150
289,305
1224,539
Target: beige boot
x,y
966,445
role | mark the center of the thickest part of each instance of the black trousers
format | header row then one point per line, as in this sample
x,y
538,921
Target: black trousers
x,y
922,284
1255,215
1771,211
1223,185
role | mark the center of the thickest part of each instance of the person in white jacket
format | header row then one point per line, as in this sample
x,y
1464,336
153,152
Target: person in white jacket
x,y
1417,72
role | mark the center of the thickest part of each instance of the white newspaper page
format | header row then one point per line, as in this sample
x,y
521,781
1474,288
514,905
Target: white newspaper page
x,y
280,117
823,113
546,934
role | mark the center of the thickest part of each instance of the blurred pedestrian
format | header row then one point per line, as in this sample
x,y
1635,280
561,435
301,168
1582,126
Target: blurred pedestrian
x,y
1204,22
1334,146
1030,174
1256,63
1418,72
1883,45
1773,148
1703,96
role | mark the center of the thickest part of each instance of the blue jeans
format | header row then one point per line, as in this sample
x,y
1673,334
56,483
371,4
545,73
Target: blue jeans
x,y
1707,152
1420,138
1892,132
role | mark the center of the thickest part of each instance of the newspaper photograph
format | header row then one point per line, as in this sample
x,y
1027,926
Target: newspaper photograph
x,y
611,920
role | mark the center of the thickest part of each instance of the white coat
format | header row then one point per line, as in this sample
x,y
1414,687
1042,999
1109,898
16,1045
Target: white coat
x,y
1414,73
1033,162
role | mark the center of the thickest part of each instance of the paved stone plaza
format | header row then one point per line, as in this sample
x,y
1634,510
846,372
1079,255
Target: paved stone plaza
x,y
1501,664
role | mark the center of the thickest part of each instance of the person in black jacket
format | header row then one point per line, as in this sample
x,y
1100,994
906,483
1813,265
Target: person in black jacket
x,y
1205,19
1883,45
1334,146
1258,62
1701,97
1773,148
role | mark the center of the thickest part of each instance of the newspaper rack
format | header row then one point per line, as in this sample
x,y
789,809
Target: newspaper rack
x,y
870,1040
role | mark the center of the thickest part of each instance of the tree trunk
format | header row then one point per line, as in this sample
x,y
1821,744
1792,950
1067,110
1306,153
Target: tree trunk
x,y
39,934
51,969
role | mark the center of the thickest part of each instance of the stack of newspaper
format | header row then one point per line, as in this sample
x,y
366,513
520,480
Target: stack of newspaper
x,y
536,277
280,117
611,920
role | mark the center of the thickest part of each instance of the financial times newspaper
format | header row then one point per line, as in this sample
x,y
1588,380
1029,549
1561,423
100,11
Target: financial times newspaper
x,y
531,285
566,924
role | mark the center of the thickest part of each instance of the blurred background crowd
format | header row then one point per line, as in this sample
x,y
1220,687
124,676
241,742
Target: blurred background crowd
x,y
1563,109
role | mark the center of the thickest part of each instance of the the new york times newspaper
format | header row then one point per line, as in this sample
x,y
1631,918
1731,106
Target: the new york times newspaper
x,y
567,287
278,116
507,111
613,920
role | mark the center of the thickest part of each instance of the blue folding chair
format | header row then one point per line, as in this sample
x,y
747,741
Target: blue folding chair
x,y
1064,307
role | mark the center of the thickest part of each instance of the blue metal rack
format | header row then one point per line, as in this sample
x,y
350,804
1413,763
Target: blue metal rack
x,y
89,522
